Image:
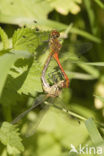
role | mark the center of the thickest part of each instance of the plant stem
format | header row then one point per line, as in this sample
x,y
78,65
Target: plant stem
x,y
71,113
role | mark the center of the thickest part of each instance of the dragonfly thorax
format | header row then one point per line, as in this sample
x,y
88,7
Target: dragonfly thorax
x,y
54,45
54,90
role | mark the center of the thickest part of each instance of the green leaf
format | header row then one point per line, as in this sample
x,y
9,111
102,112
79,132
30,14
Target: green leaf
x,y
60,5
13,98
6,61
9,136
55,128
91,70
91,15
28,39
81,76
19,13
4,38
85,35
95,63
23,11
25,39
93,132
100,3
32,82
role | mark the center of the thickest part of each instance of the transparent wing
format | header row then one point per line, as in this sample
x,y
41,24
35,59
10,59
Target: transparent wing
x,y
33,125
38,101
76,50
82,48
53,102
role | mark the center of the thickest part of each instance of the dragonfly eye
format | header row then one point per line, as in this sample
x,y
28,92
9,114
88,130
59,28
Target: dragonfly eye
x,y
55,34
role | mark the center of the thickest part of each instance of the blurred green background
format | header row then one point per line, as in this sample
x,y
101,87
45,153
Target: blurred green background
x,y
59,122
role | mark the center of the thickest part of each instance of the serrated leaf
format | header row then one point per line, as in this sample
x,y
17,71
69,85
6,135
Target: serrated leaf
x,y
66,6
4,38
9,136
6,61
32,83
25,39
28,39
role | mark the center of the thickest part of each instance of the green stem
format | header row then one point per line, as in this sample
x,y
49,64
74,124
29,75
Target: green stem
x,y
74,114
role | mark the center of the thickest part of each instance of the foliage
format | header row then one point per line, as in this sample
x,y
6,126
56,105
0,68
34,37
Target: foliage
x,y
64,9
68,121
9,136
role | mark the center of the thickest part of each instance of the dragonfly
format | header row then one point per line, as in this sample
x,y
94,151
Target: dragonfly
x,y
54,90
55,47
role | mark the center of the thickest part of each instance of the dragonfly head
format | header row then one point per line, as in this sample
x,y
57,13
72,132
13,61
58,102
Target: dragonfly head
x,y
55,34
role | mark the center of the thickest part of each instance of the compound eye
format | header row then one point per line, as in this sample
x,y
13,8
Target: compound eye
x,y
55,34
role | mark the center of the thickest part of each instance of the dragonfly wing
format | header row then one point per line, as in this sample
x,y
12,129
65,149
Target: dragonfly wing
x,y
32,127
83,47
37,102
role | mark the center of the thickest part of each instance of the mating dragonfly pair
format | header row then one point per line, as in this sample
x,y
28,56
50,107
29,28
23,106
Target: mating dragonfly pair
x,y
55,89
55,47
